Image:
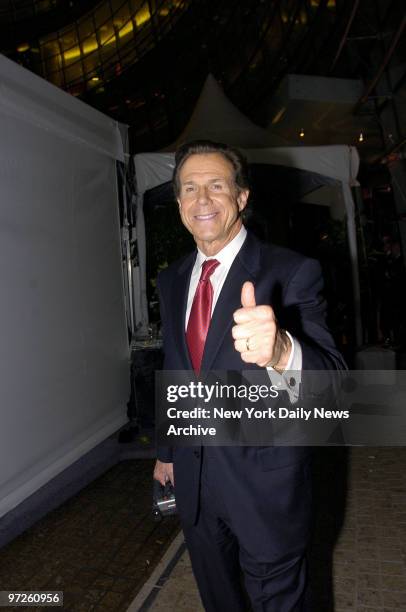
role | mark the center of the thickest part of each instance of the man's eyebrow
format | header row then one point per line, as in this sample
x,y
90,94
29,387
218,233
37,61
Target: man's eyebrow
x,y
212,180
218,179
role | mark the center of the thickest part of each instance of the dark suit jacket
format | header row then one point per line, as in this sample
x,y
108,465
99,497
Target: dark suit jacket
x,y
292,285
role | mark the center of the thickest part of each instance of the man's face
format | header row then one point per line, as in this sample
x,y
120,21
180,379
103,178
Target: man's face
x,y
209,204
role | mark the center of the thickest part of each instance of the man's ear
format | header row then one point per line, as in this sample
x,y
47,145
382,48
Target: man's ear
x,y
179,204
242,199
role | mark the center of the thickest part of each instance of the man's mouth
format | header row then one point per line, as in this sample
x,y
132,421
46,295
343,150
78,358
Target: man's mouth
x,y
206,217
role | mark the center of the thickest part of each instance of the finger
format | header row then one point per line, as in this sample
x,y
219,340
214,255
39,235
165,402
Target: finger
x,y
259,313
249,356
241,345
166,477
243,331
248,295
163,472
160,478
157,473
254,352
254,327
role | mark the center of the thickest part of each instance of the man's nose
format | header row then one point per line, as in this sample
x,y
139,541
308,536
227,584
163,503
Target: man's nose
x,y
203,195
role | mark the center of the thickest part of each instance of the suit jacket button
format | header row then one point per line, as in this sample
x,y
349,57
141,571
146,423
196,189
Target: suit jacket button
x,y
292,382
196,454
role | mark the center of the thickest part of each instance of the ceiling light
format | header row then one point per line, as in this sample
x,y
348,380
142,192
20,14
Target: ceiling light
x,y
142,16
301,134
279,115
23,47
361,137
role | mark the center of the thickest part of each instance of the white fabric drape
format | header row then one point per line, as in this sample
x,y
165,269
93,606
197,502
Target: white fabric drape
x,y
64,373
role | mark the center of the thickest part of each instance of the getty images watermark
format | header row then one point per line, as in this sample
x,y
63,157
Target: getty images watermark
x,y
207,393
304,408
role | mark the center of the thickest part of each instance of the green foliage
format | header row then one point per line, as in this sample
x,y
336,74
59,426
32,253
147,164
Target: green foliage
x,y
167,240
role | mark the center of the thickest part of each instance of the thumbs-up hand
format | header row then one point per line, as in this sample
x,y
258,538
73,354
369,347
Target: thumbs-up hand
x,y
256,334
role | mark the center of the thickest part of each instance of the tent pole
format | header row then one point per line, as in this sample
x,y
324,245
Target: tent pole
x,y
127,249
142,315
352,243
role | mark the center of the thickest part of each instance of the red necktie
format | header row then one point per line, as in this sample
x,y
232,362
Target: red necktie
x,y
200,314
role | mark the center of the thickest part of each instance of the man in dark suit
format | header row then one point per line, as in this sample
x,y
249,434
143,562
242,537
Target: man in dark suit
x,y
250,307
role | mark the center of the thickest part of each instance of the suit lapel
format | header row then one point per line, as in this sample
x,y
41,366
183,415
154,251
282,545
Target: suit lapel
x,y
245,267
179,305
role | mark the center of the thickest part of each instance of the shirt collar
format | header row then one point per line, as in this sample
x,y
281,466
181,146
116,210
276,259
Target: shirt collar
x,y
227,254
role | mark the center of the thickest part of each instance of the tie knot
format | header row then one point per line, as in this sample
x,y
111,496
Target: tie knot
x,y
208,268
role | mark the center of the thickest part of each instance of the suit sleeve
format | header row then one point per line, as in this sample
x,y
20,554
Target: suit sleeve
x,y
306,308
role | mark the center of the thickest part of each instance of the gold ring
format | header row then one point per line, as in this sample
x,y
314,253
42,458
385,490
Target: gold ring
x,y
247,343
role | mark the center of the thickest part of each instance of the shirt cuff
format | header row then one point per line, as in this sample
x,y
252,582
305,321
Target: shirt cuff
x,y
289,380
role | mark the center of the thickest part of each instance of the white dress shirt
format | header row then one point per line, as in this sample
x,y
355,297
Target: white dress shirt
x,y
226,257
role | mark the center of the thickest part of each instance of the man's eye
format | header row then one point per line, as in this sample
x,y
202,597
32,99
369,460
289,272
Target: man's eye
x,y
217,186
189,189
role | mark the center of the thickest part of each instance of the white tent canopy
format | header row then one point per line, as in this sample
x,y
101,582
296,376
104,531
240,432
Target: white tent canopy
x,y
215,117
338,163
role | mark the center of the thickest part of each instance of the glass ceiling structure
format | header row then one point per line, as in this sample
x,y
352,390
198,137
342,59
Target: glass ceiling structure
x,y
105,42
145,61
98,46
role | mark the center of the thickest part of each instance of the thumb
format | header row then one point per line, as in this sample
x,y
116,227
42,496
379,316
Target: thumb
x,y
248,295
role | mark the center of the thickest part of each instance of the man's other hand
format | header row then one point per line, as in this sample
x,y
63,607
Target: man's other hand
x,y
163,472
256,334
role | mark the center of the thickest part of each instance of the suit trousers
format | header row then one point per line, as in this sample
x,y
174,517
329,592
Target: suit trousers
x,y
223,565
